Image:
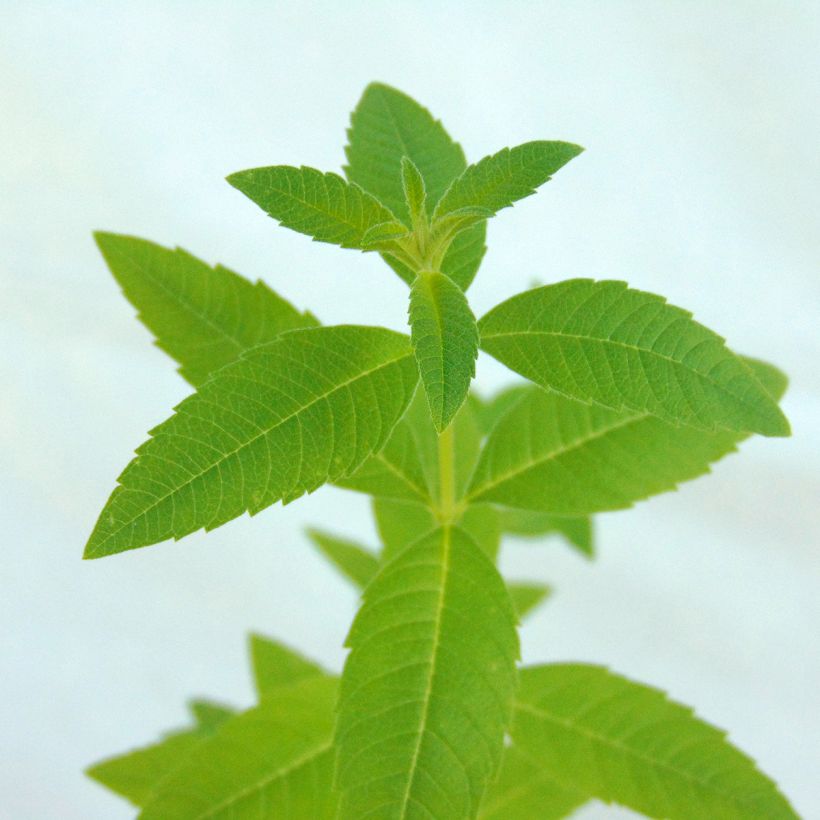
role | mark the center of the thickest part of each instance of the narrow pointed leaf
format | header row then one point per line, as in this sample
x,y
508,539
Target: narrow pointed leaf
x,y
354,561
623,742
445,340
307,408
276,665
499,180
388,125
275,760
603,342
321,205
384,232
525,791
532,524
201,316
415,194
559,456
526,597
437,620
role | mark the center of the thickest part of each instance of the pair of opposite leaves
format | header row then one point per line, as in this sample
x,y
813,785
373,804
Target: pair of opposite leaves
x,y
293,411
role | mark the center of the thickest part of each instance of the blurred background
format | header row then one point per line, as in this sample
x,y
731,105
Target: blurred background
x,y
700,182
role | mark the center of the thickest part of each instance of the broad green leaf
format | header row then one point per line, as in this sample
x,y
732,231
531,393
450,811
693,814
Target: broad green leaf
x,y
532,524
276,665
499,180
607,737
307,408
386,126
320,205
201,316
603,342
437,620
136,774
353,560
395,471
526,597
400,523
563,457
445,339
275,760
523,790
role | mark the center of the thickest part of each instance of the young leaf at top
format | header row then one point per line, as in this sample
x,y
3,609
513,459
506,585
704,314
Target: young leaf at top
x,y
499,180
287,417
388,125
275,760
445,340
275,665
436,621
563,457
323,206
203,317
604,736
353,560
415,194
603,342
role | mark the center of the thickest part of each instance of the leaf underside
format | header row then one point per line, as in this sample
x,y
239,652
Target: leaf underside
x,y
290,415
604,736
603,342
436,620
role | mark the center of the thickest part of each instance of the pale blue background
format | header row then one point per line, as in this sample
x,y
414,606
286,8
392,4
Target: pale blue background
x,y
700,182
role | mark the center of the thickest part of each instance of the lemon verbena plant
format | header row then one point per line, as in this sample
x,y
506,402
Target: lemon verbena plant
x,y
622,396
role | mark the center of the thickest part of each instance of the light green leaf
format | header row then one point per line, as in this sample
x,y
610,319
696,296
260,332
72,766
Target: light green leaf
x,y
625,349
400,523
481,523
532,524
136,774
201,316
523,790
488,411
607,737
276,665
383,234
395,471
499,180
563,457
445,339
415,194
388,125
320,205
354,561
526,597
437,620
463,258
275,760
307,408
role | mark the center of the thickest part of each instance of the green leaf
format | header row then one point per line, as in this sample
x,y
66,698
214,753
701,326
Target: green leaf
x,y
488,411
526,597
275,760
136,774
532,524
201,316
320,205
276,665
395,471
415,194
383,234
563,457
603,342
499,180
524,791
437,620
307,408
354,561
400,523
607,737
386,126
463,258
445,339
